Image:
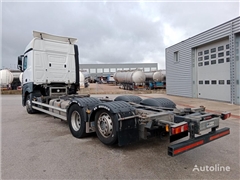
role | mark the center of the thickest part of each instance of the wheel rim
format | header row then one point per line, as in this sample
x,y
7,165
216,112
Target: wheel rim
x,y
28,105
105,125
76,121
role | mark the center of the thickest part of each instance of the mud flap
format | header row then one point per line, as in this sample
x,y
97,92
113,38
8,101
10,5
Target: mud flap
x,y
128,132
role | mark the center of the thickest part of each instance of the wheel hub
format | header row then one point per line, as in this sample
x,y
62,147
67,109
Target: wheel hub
x,y
105,125
28,105
76,121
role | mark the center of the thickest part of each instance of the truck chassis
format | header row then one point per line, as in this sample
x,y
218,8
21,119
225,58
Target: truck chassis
x,y
127,119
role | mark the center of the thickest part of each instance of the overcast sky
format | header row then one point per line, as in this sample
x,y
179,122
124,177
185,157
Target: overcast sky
x,y
111,32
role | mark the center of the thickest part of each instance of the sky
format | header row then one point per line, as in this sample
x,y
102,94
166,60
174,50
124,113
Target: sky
x,y
110,31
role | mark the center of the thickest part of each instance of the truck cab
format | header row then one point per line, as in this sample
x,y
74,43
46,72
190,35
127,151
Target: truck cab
x,y
50,66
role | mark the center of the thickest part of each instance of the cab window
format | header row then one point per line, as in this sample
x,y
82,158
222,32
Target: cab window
x,y
25,63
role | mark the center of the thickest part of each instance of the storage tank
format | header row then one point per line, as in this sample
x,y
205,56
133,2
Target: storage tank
x,y
6,77
20,77
135,76
82,79
156,75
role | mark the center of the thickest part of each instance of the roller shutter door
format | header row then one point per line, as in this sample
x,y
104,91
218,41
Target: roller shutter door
x,y
213,71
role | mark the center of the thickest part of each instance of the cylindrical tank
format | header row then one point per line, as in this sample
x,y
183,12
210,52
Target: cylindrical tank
x,y
82,79
136,76
156,75
20,77
6,77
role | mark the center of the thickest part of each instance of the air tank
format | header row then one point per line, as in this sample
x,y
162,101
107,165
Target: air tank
x,y
156,75
6,77
135,76
82,79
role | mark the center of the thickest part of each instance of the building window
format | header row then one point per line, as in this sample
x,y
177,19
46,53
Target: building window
x,y
200,64
213,56
99,70
221,54
206,63
200,82
176,56
228,82
228,59
221,82
146,69
227,53
206,57
119,69
92,70
213,62
200,53
221,61
213,50
113,70
207,82
206,52
214,82
200,58
227,46
220,48
105,70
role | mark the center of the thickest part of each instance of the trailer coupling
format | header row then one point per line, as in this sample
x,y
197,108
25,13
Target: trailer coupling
x,y
184,146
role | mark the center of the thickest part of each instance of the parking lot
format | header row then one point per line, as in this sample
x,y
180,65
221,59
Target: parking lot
x,y
41,147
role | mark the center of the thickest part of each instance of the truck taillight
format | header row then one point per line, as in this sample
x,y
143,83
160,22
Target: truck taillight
x,y
179,129
225,115
207,118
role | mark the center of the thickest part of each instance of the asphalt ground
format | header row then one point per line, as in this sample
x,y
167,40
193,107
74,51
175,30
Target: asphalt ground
x,y
41,147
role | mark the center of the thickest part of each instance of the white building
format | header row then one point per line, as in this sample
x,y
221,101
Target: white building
x,y
206,65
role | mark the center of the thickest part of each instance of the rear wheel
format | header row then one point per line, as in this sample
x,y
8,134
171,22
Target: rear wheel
x,y
105,124
76,122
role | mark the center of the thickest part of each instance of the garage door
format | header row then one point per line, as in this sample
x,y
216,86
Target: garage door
x,y
213,72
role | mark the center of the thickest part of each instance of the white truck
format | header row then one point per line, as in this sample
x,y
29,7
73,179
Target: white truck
x,y
50,68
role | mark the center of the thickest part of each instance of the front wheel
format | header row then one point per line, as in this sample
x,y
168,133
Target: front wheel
x,y
76,121
106,124
29,108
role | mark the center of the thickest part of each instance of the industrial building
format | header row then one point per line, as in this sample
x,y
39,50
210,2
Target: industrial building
x,y
108,69
206,65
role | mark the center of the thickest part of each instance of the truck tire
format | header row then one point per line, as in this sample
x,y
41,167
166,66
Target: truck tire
x,y
76,122
159,102
105,124
29,108
129,98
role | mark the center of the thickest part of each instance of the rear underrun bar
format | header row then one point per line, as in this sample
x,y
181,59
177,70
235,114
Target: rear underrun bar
x,y
182,147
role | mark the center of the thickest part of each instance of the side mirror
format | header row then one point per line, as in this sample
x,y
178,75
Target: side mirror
x,y
19,66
